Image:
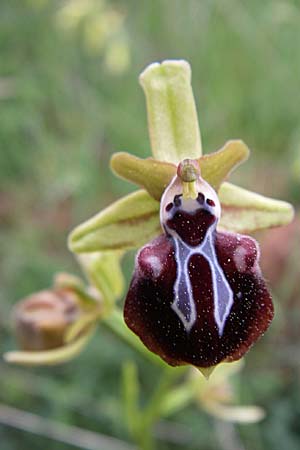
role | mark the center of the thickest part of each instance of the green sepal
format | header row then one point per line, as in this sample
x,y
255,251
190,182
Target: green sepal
x,y
154,175
128,223
245,211
172,116
50,357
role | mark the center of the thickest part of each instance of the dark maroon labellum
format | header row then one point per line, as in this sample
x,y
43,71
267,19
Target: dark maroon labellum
x,y
197,295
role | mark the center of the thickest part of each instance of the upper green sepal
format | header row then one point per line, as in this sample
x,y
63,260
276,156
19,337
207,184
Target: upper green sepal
x,y
172,116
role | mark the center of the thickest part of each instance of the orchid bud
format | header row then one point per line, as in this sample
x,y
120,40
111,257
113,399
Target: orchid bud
x,y
41,320
197,295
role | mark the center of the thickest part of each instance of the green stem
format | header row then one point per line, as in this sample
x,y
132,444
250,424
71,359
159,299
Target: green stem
x,y
115,323
152,413
145,440
143,429
169,375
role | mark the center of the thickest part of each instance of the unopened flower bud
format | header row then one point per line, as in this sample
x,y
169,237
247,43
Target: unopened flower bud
x,y
41,320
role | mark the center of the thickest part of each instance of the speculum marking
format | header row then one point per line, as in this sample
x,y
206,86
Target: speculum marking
x,y
184,304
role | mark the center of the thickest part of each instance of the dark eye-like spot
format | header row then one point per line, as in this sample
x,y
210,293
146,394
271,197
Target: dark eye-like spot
x,y
177,200
200,198
210,202
169,206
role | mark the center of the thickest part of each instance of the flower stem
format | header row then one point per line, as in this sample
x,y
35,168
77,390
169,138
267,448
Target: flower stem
x,y
153,411
115,323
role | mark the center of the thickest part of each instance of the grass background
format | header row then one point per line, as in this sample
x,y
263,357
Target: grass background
x,y
69,98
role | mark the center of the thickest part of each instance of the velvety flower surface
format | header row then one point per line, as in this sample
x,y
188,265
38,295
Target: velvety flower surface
x,y
197,295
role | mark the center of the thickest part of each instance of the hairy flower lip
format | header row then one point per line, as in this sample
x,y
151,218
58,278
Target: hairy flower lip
x,y
143,310
173,133
197,295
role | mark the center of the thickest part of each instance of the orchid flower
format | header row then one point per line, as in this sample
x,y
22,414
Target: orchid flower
x,y
197,295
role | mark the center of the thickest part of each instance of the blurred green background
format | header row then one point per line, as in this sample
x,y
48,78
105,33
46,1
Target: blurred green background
x,y
69,98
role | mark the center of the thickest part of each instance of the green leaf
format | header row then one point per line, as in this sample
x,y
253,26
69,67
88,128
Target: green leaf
x,y
128,223
245,211
154,175
172,116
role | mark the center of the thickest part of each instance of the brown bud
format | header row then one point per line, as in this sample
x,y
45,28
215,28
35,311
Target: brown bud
x,y
41,320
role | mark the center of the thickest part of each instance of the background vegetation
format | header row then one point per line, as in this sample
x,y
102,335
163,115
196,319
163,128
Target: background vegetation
x,y
69,98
